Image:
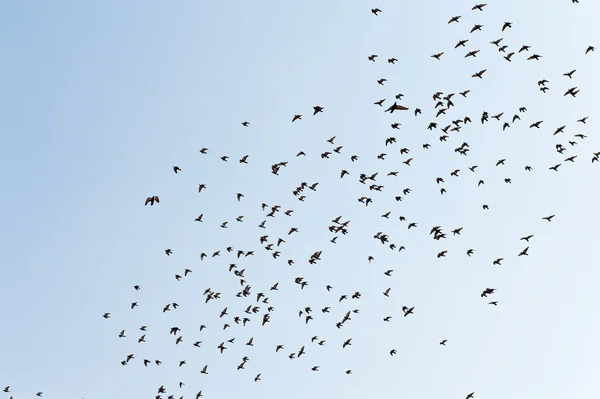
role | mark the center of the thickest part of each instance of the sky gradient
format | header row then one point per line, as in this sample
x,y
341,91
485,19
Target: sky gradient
x,y
101,100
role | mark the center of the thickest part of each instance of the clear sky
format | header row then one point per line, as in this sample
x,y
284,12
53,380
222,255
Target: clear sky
x,y
101,99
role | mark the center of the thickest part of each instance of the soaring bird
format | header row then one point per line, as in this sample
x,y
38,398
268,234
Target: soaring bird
x,y
152,200
479,74
396,107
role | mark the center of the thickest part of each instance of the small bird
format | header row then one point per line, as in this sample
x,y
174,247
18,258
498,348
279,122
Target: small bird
x,y
395,107
479,74
476,27
152,200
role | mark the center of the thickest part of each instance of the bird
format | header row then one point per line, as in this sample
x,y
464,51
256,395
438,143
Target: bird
x,y
479,74
396,107
151,200
476,27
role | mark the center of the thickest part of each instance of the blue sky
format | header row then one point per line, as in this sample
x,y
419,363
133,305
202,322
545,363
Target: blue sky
x,y
101,100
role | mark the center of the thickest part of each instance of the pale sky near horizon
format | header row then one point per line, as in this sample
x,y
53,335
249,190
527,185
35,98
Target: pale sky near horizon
x,y
101,99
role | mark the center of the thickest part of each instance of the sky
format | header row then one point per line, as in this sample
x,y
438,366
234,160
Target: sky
x,y
101,99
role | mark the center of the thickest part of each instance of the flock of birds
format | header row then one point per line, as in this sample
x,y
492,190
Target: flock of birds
x,y
257,306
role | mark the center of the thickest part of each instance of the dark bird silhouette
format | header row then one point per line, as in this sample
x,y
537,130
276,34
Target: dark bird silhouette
x,y
479,74
152,200
395,107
